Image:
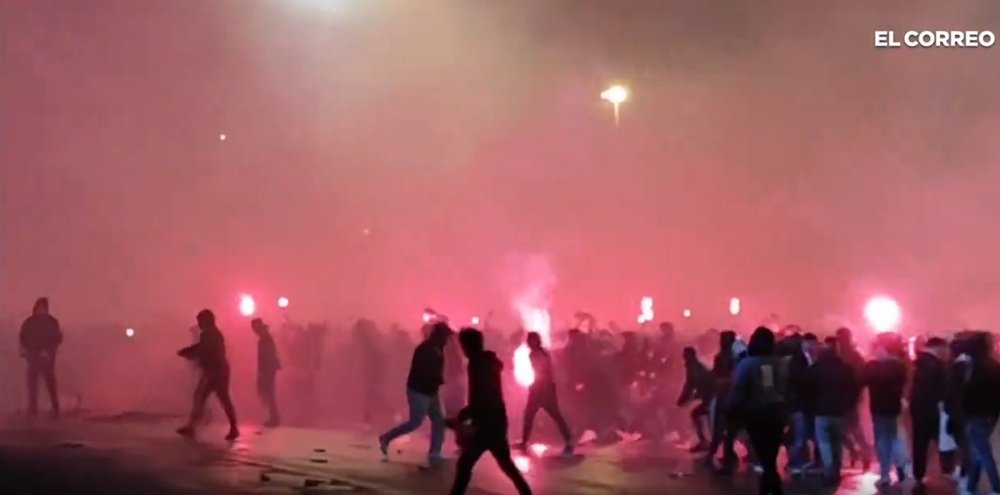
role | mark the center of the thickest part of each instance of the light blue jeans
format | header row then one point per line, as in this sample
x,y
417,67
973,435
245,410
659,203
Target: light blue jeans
x,y
421,405
803,430
830,436
889,446
978,431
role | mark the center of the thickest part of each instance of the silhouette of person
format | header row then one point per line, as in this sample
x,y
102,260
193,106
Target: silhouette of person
x,y
210,354
483,422
268,365
40,337
542,395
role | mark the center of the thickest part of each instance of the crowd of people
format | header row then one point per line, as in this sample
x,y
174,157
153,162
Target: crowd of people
x,y
778,389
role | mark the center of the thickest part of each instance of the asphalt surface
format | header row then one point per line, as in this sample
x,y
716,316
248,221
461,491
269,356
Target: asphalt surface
x,y
138,454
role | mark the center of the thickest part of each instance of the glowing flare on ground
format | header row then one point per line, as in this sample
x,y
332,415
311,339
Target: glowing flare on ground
x,y
539,449
883,313
247,305
523,463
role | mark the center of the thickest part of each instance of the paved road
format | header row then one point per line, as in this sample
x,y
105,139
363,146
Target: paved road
x,y
140,454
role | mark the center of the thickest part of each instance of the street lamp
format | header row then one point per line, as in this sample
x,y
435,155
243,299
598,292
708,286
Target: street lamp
x,y
616,95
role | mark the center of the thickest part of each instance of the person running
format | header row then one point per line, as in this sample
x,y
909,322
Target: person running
x,y
698,385
758,399
422,385
210,354
40,338
268,365
484,420
542,395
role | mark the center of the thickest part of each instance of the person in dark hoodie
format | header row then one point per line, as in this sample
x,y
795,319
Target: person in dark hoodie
x,y
40,338
801,400
426,377
837,396
758,399
210,354
928,393
885,378
268,365
698,385
981,407
854,435
542,395
722,371
483,422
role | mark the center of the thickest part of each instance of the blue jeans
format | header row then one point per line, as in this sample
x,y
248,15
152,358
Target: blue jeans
x,y
802,432
978,431
421,405
887,443
830,436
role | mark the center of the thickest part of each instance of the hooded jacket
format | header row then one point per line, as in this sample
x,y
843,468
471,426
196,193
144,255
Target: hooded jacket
x,y
486,407
837,385
885,378
40,333
426,368
930,385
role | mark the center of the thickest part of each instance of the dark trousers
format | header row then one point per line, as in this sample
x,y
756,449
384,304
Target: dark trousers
x,y
217,382
267,392
723,434
544,397
926,429
44,367
766,428
699,415
474,447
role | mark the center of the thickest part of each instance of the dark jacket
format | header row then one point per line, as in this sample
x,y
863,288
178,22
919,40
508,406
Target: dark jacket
x,y
981,389
699,384
930,385
723,367
486,408
40,333
426,368
267,355
885,379
801,395
760,383
837,386
209,352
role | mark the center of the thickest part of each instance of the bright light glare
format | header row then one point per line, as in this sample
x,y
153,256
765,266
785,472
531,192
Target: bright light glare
x,y
222,137
427,317
129,332
523,463
282,302
523,372
539,449
616,94
883,313
247,305
734,306
687,313
646,310
475,320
